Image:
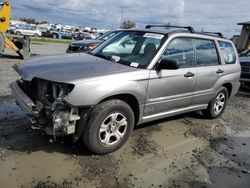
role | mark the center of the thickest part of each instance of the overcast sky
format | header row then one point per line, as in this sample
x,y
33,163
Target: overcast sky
x,y
212,15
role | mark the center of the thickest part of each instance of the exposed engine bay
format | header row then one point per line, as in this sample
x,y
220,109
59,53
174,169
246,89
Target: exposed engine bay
x,y
54,114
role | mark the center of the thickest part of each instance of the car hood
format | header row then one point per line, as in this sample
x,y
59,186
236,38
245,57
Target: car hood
x,y
85,42
69,67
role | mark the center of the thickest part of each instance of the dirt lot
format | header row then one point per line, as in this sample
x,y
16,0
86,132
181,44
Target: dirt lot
x,y
183,151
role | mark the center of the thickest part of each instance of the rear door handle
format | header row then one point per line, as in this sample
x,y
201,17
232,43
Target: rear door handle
x,y
219,71
189,74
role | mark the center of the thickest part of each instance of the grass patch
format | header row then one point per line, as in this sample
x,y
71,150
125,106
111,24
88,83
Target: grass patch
x,y
48,40
43,39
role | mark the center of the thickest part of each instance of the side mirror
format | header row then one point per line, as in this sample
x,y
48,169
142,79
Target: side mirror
x,y
168,64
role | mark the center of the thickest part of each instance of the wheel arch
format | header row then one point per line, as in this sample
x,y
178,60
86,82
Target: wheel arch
x,y
229,88
130,99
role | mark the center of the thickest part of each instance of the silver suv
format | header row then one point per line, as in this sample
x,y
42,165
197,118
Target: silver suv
x,y
134,77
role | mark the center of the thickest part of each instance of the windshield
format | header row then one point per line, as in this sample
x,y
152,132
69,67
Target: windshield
x,y
107,35
246,53
132,48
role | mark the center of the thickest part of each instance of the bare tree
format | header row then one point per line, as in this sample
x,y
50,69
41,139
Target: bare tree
x,y
33,21
128,24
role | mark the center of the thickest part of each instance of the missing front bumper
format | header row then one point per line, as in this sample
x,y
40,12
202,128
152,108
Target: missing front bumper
x,y
23,100
60,121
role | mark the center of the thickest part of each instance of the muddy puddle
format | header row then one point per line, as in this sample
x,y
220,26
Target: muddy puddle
x,y
235,148
39,169
224,178
9,112
226,161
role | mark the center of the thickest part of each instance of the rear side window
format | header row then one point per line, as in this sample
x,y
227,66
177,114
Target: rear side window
x,y
228,52
206,54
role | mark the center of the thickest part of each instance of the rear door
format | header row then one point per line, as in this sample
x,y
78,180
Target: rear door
x,y
209,70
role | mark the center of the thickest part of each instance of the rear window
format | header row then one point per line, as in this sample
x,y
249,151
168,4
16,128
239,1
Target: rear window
x,y
228,52
206,54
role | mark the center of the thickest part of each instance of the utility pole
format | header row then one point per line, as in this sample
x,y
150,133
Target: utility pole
x,y
121,17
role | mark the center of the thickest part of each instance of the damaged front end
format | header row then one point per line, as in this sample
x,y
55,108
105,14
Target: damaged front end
x,y
44,103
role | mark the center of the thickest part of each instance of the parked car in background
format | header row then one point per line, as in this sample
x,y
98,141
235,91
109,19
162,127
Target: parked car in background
x,y
12,28
245,67
87,45
245,53
27,30
59,34
43,28
82,35
101,96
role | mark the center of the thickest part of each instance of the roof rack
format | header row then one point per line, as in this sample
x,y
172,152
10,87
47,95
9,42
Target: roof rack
x,y
191,29
214,33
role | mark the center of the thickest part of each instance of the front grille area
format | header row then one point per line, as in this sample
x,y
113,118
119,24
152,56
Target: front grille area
x,y
245,76
245,69
73,48
245,64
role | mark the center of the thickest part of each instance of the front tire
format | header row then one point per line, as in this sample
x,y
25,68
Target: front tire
x,y
217,105
109,126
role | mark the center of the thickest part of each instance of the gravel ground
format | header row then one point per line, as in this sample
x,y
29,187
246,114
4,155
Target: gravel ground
x,y
182,151
10,58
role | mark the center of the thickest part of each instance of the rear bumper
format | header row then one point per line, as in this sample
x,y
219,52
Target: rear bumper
x,y
23,100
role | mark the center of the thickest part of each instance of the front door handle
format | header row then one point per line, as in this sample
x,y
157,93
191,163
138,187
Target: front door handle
x,y
219,71
189,74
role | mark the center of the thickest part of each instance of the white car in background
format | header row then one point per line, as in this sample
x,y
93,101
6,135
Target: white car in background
x,y
27,30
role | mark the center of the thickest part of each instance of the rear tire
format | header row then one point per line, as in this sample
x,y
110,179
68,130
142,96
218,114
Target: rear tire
x,y
109,126
18,33
217,105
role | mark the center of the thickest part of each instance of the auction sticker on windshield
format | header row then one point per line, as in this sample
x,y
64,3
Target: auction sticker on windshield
x,y
153,35
133,64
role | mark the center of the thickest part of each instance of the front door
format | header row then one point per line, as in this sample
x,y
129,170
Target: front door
x,y
172,89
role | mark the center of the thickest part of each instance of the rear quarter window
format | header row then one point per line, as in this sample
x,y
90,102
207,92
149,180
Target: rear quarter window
x,y
228,52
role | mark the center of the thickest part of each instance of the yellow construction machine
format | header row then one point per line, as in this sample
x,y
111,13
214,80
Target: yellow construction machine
x,y
20,45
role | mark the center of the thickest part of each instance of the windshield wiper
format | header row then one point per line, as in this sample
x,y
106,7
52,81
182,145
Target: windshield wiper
x,y
102,56
110,58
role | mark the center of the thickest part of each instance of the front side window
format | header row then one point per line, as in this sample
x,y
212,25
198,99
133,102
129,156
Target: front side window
x,y
182,51
206,54
133,48
228,52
